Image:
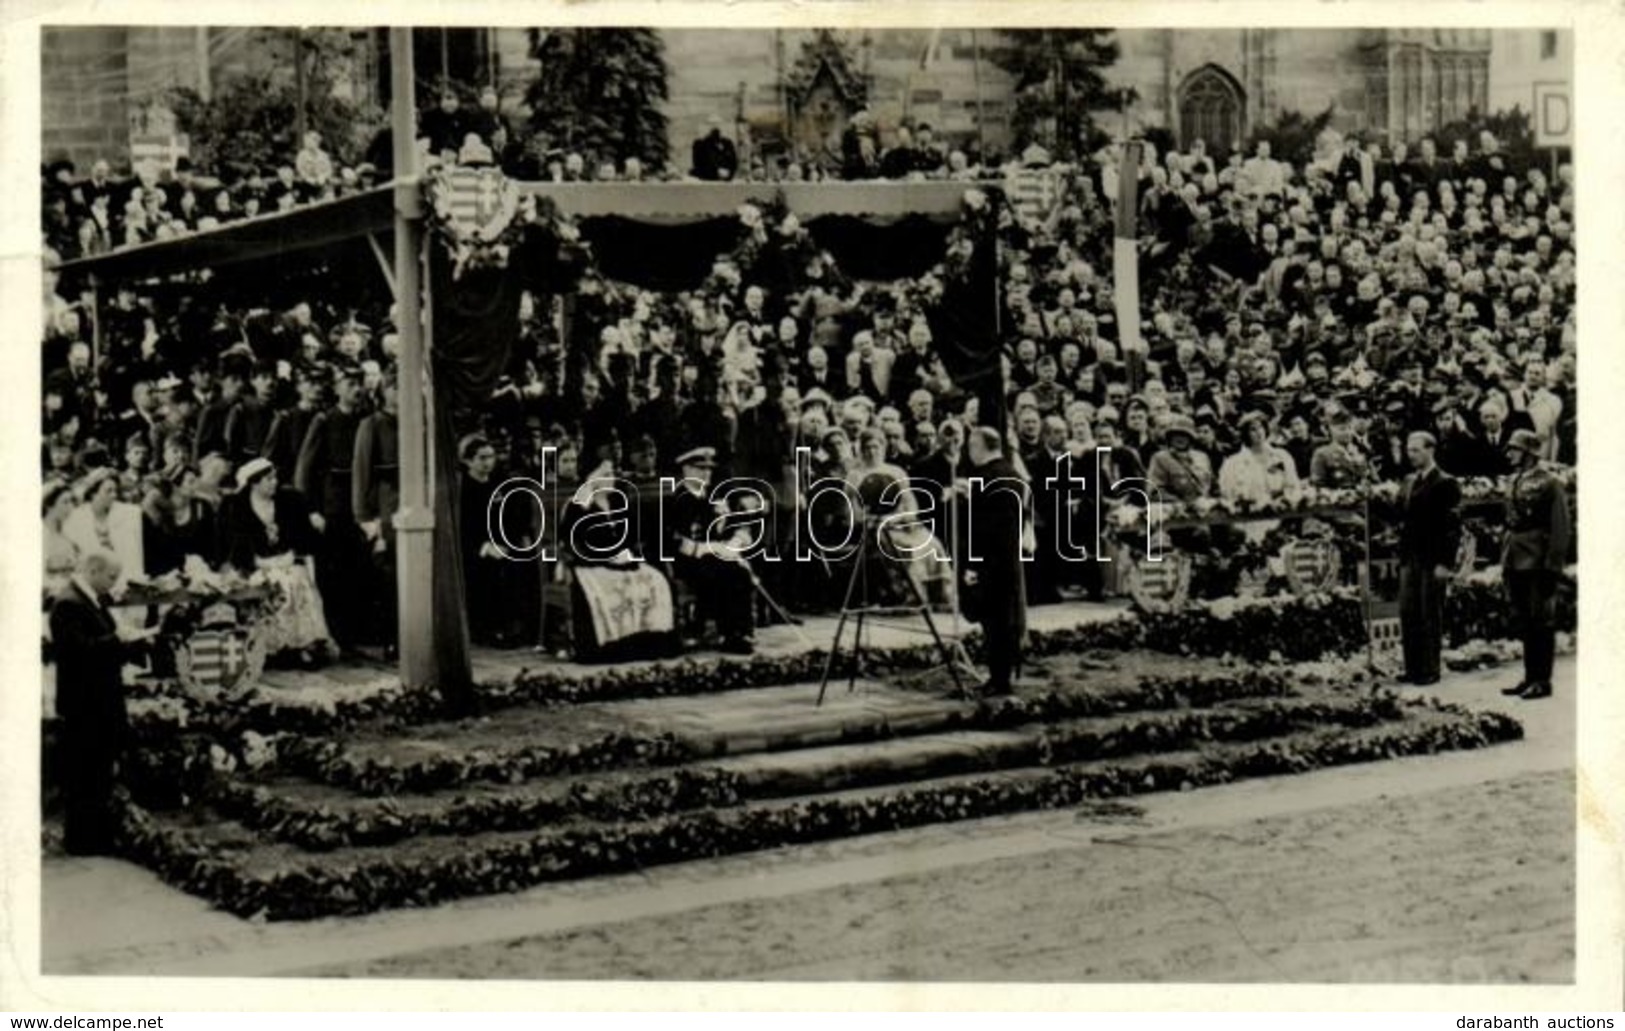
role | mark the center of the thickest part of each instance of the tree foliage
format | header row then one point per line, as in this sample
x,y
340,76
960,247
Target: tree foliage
x,y
1058,83
1512,130
599,91
1292,135
249,124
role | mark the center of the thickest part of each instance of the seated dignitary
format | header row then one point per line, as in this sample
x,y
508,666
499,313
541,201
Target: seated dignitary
x,y
704,562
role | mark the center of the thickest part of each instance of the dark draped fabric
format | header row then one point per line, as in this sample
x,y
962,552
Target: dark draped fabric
x,y
664,256
895,249
965,324
658,256
476,321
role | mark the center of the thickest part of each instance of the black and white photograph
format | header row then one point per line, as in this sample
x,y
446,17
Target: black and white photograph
x,y
1009,505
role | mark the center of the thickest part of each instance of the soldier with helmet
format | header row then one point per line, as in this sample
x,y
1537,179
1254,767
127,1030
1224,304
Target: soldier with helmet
x,y
1532,559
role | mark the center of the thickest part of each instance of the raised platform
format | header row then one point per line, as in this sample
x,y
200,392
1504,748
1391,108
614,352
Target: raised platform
x,y
569,771
360,679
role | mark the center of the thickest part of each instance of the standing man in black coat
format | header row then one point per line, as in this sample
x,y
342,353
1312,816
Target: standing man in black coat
x,y
1000,504
1429,539
91,650
1532,558
714,157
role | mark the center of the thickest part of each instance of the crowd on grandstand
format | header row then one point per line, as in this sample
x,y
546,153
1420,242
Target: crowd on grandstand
x,y
1298,319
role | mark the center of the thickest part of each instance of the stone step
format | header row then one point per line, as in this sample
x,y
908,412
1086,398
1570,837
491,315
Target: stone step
x,y
542,741
319,817
812,770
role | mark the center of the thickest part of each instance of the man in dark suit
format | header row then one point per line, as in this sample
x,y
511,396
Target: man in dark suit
x,y
1532,558
91,650
1000,503
1487,452
1429,539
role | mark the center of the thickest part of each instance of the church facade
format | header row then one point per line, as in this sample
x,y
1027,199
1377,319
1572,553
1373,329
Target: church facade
x,y
782,87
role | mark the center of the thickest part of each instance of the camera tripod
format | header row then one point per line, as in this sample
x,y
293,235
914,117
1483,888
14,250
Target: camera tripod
x,y
864,610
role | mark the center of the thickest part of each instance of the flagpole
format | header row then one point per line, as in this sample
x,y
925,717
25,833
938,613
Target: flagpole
x,y
414,524
1126,262
981,121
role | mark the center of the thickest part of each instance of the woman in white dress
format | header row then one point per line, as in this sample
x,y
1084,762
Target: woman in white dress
x,y
1260,473
61,554
104,523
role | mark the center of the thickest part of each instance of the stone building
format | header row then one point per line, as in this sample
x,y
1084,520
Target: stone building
x,y
787,86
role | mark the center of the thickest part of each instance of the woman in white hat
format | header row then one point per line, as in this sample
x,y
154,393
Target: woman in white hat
x,y
271,531
103,522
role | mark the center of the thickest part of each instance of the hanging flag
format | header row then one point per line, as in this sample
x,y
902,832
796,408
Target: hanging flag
x,y
966,321
1126,262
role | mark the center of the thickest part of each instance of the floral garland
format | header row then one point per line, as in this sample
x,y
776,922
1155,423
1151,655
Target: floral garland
x,y
776,251
216,870
1264,629
326,761
1183,730
1281,628
384,821
196,583
1128,520
379,818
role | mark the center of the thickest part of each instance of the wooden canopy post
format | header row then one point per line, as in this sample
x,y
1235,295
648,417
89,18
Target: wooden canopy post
x,y
414,524
95,325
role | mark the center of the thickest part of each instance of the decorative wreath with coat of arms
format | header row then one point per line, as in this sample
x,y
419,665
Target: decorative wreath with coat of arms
x,y
1161,584
1310,566
475,211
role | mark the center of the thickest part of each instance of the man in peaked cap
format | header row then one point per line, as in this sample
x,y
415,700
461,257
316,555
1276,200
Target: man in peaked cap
x,y
719,577
1532,558
325,475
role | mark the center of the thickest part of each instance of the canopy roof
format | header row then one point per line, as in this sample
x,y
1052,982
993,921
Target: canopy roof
x,y
324,224
311,227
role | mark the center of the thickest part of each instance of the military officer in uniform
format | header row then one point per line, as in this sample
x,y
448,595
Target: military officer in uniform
x,y
1180,470
1532,558
718,576
1339,463
374,499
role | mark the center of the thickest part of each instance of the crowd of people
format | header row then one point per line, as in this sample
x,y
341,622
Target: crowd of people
x,y
108,207
1299,322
